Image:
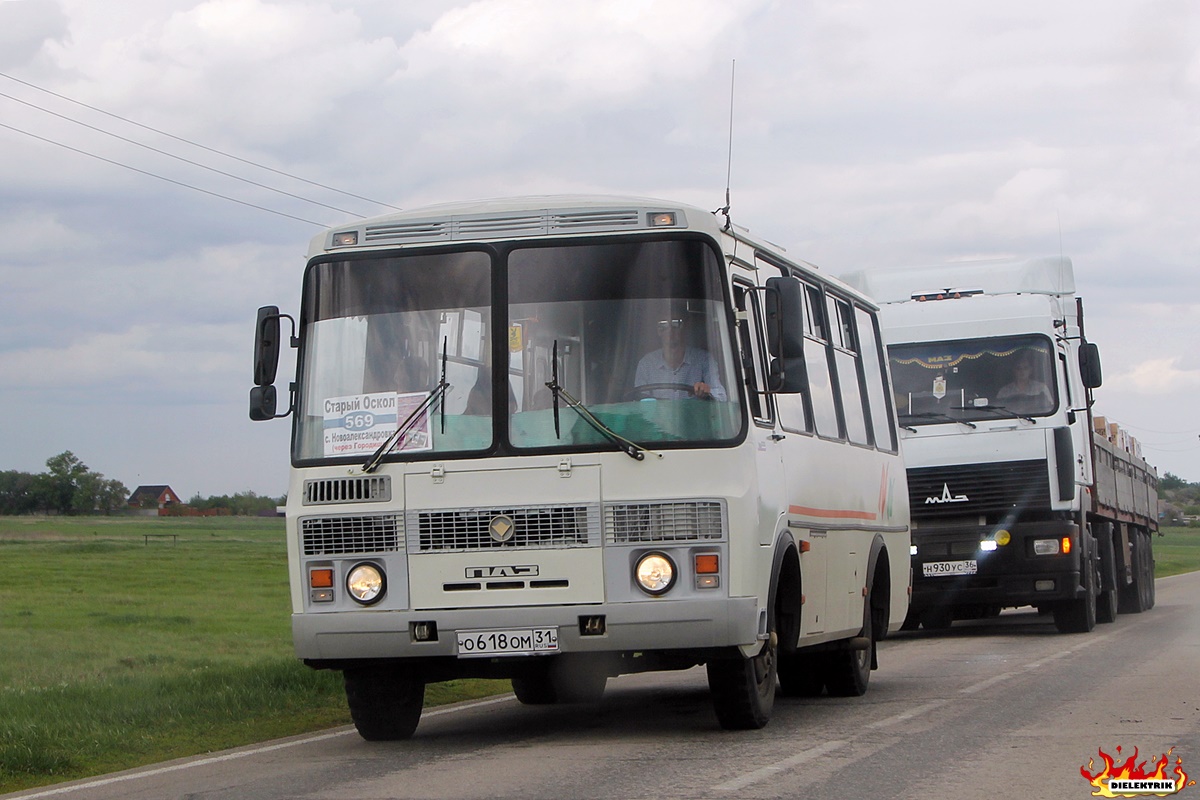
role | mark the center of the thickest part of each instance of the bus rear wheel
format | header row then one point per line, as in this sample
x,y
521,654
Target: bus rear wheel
x,y
743,689
385,702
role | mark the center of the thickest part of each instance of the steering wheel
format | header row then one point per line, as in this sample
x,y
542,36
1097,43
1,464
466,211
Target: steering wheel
x,y
647,389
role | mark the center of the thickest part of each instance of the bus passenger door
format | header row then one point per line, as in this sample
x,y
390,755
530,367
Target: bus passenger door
x,y
763,435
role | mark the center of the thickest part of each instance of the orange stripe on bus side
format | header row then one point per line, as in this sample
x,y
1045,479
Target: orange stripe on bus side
x,y
832,513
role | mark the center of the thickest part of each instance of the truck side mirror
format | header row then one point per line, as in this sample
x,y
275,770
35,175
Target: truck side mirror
x,y
262,403
266,345
784,306
1089,365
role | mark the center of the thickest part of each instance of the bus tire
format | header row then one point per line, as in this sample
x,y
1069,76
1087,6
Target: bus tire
x,y
801,674
743,689
848,670
385,702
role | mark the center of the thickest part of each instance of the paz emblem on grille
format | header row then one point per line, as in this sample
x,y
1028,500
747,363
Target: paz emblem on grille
x,y
501,528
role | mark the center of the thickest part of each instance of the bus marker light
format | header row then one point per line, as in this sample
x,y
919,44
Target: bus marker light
x,y
662,219
346,239
1066,544
321,578
708,564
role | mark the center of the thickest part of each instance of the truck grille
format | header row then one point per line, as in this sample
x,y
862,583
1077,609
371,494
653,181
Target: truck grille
x,y
977,489
331,536
693,521
532,527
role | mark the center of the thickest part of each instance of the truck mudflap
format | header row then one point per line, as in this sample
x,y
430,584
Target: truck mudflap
x,y
978,570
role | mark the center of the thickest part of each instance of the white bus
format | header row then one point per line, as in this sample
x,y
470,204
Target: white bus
x,y
559,439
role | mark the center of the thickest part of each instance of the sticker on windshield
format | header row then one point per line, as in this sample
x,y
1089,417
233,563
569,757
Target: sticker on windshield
x,y
359,424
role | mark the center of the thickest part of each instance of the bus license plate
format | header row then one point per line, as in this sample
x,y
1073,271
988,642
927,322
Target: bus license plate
x,y
514,642
933,569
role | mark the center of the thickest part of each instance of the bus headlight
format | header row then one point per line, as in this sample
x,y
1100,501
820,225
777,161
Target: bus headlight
x,y
655,573
366,583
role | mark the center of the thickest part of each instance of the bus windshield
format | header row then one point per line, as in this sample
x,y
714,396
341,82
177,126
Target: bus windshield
x,y
973,379
635,330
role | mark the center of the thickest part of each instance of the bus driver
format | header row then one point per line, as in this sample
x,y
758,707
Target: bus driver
x,y
676,371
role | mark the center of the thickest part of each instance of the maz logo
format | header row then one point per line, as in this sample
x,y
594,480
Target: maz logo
x,y
523,571
947,497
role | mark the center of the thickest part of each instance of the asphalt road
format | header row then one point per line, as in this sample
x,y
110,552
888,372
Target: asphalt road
x,y
1002,708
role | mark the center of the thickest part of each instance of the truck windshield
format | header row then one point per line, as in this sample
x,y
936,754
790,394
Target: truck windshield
x,y
973,379
639,329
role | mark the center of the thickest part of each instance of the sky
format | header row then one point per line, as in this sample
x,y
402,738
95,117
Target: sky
x,y
164,163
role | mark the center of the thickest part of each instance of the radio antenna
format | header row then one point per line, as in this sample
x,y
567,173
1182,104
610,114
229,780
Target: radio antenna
x,y
729,160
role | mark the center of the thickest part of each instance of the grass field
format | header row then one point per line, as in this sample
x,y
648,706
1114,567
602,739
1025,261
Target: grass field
x,y
118,650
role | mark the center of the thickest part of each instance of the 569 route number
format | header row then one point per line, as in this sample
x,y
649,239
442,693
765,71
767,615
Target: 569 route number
x,y
513,642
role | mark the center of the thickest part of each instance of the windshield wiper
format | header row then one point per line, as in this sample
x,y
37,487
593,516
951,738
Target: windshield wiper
x,y
998,409
434,397
933,415
631,449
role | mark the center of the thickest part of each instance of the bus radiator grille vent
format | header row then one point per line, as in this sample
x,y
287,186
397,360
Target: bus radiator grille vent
x,y
330,536
689,521
366,489
466,529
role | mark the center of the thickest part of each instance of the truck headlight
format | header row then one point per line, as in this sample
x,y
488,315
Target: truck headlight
x,y
655,573
1045,547
366,583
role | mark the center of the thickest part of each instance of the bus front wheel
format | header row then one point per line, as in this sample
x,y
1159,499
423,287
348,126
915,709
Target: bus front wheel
x,y
385,702
743,689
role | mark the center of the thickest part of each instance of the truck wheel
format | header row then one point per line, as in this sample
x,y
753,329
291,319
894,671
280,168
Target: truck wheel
x,y
1079,615
1106,600
385,702
1148,567
1131,597
743,689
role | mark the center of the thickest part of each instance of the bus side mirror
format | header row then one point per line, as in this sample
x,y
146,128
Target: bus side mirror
x,y
266,345
262,403
1089,365
784,305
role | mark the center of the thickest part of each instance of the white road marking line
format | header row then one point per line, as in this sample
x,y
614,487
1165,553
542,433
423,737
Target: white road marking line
x,y
907,715
772,770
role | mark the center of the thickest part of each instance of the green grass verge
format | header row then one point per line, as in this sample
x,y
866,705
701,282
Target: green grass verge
x,y
118,652
1176,551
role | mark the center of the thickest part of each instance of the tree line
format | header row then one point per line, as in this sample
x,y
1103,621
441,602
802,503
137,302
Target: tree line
x,y
66,487
69,487
1181,499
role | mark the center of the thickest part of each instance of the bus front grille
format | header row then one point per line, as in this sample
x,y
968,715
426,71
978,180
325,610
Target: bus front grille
x,y
331,536
684,521
465,529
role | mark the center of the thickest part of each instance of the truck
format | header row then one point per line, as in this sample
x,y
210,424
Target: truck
x,y
560,439
1019,494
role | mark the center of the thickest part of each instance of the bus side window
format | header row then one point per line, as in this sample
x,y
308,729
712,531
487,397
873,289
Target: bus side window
x,y
816,361
870,347
750,342
849,373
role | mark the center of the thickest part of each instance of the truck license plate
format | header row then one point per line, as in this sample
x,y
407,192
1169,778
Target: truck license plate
x,y
933,569
513,642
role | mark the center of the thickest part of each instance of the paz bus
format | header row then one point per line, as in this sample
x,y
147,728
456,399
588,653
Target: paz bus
x,y
561,439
